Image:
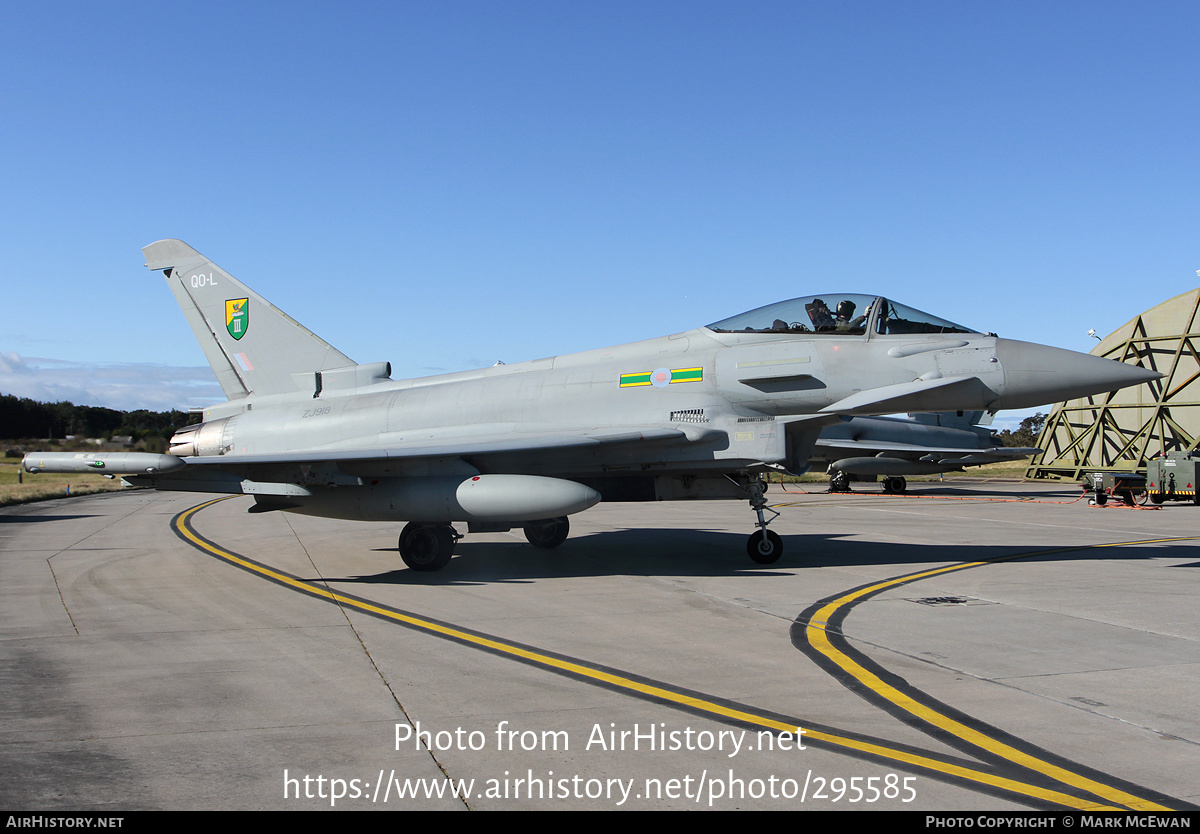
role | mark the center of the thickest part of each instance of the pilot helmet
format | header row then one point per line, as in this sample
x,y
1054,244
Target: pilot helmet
x,y
845,308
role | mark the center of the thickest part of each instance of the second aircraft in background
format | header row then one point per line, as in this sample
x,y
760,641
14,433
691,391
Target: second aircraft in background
x,y
924,444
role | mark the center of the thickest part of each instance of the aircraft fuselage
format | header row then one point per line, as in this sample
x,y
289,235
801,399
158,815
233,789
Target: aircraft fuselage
x,y
698,414
733,396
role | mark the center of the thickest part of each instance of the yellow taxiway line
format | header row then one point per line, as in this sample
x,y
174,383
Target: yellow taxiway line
x,y
695,703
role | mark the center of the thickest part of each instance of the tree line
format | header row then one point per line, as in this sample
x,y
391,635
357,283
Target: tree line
x,y
1028,433
23,418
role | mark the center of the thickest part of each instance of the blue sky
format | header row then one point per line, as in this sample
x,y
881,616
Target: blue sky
x,y
445,184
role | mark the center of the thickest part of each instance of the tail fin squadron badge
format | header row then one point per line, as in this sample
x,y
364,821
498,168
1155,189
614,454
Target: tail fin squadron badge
x,y
237,316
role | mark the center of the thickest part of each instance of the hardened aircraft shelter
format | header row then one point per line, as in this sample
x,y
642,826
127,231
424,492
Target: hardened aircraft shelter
x,y
1122,430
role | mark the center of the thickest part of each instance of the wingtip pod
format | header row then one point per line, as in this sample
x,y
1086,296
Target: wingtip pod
x,y
105,463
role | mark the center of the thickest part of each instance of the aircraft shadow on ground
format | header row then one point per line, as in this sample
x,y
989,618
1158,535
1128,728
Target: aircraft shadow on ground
x,y
6,518
702,553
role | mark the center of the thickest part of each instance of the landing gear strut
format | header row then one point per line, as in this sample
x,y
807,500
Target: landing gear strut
x,y
764,547
427,547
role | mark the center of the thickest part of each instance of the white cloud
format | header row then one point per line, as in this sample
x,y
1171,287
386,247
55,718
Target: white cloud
x,y
121,386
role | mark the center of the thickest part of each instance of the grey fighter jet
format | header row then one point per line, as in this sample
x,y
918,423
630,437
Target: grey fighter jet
x,y
699,414
894,447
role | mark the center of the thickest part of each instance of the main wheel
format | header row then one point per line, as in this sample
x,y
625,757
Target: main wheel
x,y
839,482
426,547
765,547
548,533
895,485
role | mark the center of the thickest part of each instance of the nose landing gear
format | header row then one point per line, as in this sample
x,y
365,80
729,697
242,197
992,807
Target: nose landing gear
x,y
764,546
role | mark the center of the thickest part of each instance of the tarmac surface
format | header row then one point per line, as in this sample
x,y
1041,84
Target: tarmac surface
x,y
975,646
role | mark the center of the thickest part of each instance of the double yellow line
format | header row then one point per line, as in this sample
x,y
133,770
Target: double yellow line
x,y
740,714
817,634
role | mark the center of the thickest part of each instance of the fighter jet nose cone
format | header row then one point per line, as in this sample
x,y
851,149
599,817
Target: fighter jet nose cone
x,y
1037,375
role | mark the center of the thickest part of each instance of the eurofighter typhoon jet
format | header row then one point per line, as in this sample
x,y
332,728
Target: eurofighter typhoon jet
x,y
700,414
924,444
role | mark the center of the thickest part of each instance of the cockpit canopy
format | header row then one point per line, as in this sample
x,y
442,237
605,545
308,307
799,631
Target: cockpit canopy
x,y
841,314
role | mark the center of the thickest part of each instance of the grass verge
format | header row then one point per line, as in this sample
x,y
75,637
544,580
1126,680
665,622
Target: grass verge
x,y
18,487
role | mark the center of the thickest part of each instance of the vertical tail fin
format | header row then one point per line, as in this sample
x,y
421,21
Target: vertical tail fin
x,y
253,346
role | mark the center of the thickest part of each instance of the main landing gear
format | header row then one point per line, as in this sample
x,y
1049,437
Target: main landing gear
x,y
428,547
894,485
839,481
548,533
764,547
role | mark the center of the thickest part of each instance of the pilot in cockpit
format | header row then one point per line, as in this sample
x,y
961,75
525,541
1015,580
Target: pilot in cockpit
x,y
846,319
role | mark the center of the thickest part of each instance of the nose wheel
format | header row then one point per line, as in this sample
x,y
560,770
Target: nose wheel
x,y
764,547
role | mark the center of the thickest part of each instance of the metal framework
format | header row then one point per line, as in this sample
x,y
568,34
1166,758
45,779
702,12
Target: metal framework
x,y
1122,430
